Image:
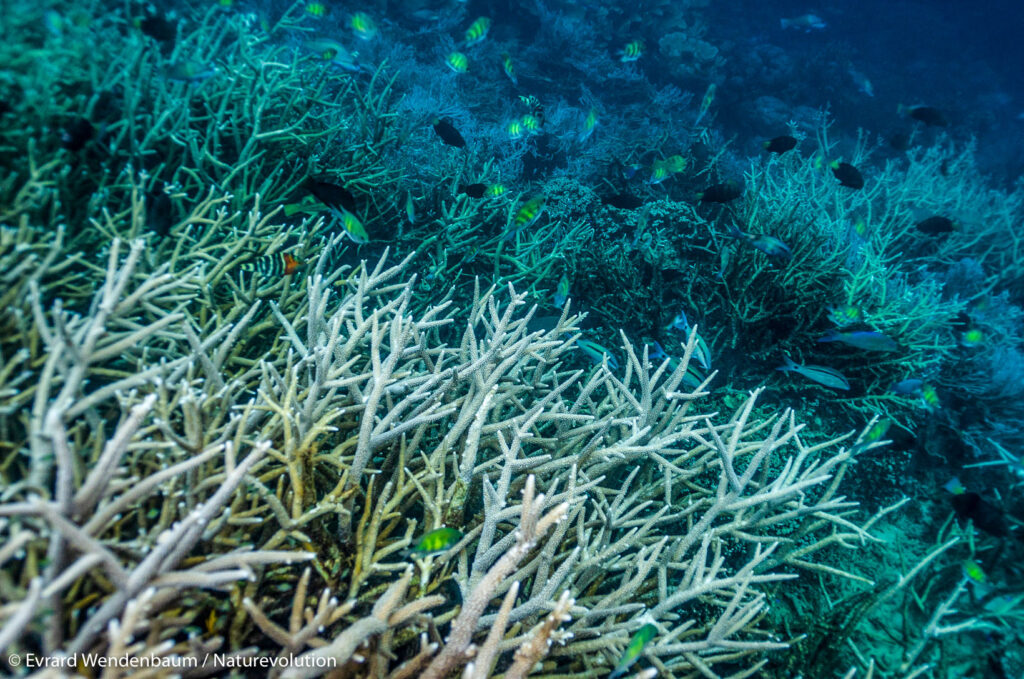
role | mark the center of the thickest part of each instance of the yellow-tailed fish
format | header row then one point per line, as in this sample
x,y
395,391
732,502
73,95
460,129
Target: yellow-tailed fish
x,y
636,646
458,62
439,540
363,26
477,31
509,68
316,9
353,227
632,51
528,213
589,123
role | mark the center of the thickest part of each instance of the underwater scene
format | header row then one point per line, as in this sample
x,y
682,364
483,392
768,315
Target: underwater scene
x,y
555,339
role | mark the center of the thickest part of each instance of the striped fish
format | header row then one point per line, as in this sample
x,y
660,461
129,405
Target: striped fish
x,y
280,264
818,373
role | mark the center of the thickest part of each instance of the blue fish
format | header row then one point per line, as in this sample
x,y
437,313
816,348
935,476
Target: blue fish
x,y
908,387
869,340
655,351
680,323
823,375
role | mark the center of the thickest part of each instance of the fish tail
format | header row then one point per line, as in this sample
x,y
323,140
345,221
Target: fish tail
x,y
788,365
830,336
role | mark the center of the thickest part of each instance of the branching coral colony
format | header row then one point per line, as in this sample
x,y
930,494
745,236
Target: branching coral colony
x,y
334,427
196,460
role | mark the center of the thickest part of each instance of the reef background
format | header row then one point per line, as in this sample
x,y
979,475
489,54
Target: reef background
x,y
203,452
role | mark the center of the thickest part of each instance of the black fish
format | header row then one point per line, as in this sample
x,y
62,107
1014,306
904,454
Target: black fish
x,y
928,115
936,225
984,515
449,135
332,195
159,28
780,144
473,190
848,175
623,201
721,193
77,134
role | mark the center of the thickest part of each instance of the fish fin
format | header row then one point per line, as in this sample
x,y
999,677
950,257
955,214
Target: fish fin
x,y
788,365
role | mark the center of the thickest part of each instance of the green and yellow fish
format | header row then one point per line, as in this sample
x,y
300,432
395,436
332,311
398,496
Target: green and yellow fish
x,y
528,213
531,124
353,227
515,129
973,338
436,541
930,397
363,26
410,208
458,62
477,31
844,315
636,646
589,123
632,51
316,9
974,572
495,190
509,68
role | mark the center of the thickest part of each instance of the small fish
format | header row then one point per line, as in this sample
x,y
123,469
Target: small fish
x,y
632,51
804,22
869,340
674,164
188,71
723,192
861,81
780,144
334,52
477,31
659,173
353,227
333,196
589,124
844,315
596,353
473,190
847,175
528,213
636,646
436,541
77,134
533,104
972,338
823,375
515,130
509,68
705,103
561,292
268,266
631,170
495,190
928,115
954,486
771,246
930,397
973,571
908,387
531,123
363,26
655,351
410,208
307,205
875,433
458,62
680,323
316,9
447,132
702,354
936,225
